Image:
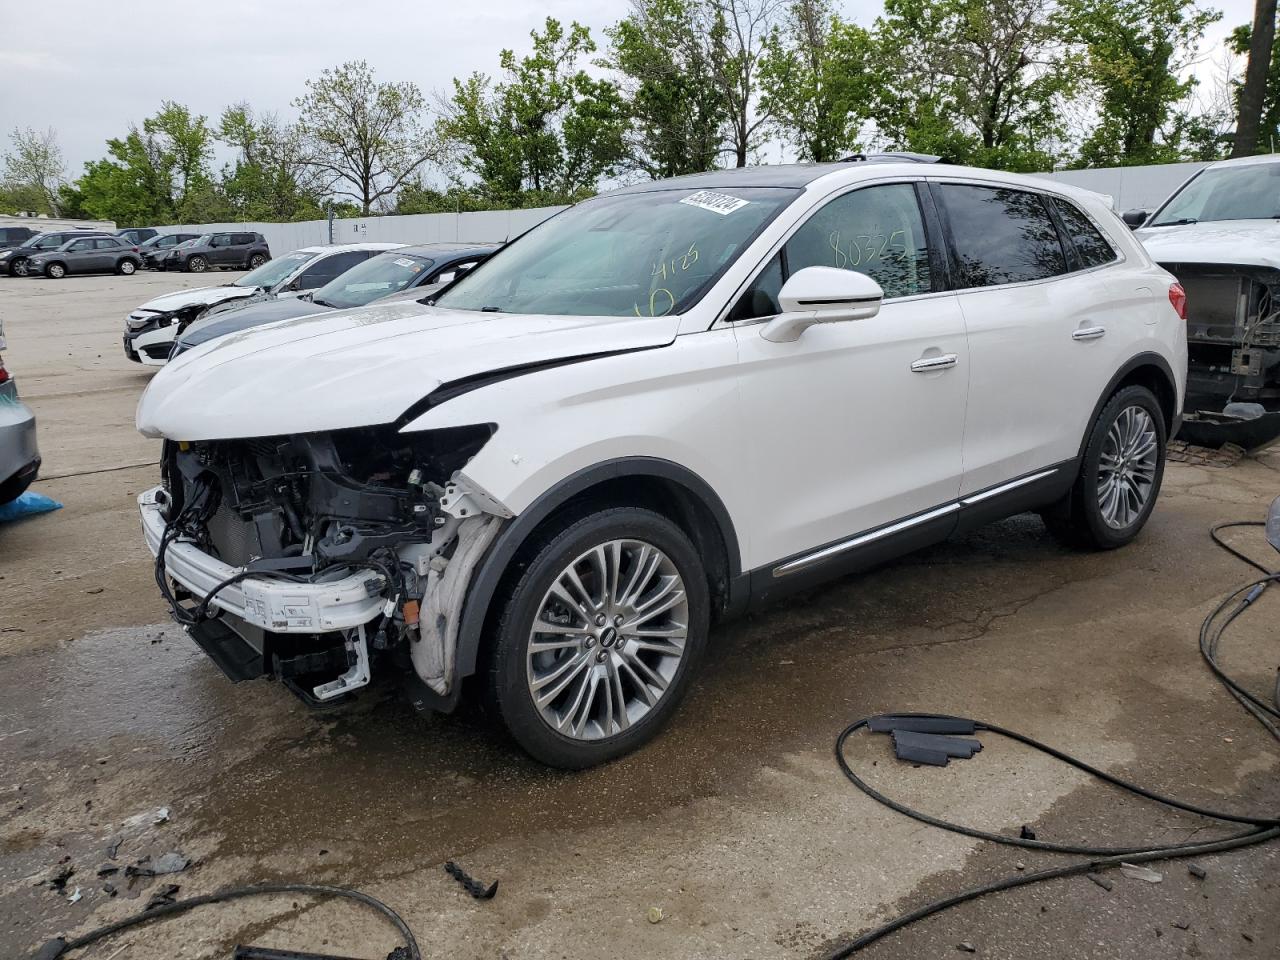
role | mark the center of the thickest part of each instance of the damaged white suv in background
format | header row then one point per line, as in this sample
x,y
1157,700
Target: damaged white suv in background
x,y
659,408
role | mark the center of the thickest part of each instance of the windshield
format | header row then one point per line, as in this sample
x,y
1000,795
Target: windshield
x,y
151,241
1248,192
639,254
370,280
273,271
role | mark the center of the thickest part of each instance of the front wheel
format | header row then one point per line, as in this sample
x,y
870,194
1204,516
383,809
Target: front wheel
x,y
197,264
18,268
599,637
1120,475
256,261
55,271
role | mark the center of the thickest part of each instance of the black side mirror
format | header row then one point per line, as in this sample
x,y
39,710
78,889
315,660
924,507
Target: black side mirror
x,y
1135,218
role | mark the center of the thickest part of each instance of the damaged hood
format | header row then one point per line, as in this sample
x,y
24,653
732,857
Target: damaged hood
x,y
361,367
1253,243
200,296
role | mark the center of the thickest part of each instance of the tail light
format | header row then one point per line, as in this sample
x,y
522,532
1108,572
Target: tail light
x,y
1178,297
4,374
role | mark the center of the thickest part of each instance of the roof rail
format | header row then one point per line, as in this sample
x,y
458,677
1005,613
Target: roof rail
x,y
892,156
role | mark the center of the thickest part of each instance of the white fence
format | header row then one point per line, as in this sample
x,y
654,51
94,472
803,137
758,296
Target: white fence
x,y
489,226
1141,188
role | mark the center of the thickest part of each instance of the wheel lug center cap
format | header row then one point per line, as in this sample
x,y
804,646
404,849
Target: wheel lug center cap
x,y
608,637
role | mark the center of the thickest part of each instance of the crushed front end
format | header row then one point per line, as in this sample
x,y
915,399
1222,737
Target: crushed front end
x,y
312,558
1233,345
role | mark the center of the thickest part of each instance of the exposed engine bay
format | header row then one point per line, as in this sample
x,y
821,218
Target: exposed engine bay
x,y
1233,346
306,513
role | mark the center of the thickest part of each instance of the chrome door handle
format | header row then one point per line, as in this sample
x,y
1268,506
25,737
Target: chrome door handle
x,y
1089,333
930,364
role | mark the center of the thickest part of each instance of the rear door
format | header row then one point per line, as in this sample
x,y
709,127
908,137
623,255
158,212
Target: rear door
x,y
1036,322
106,251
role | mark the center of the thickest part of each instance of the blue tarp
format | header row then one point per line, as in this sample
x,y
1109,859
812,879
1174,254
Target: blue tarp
x,y
28,505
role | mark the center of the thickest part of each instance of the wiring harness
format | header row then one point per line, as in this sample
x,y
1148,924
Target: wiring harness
x,y
1258,829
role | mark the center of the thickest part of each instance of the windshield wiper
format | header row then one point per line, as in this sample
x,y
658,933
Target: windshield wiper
x,y
490,309
324,303
1176,223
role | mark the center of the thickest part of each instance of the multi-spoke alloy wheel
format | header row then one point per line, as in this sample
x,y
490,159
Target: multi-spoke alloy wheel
x,y
608,639
1127,467
599,635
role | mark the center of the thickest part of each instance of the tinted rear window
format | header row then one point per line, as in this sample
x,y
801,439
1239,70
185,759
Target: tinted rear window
x,y
1091,246
1001,235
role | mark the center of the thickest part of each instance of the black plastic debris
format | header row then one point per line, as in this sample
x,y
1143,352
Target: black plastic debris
x,y
163,897
270,953
1196,871
1100,880
928,740
58,880
887,723
1026,833
469,883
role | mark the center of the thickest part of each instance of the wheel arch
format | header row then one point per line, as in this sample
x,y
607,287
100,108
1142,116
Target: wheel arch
x,y
667,487
1149,370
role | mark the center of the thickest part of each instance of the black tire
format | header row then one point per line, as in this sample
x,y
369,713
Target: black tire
x,y
127,267
1078,520
196,264
55,270
256,261
19,267
509,690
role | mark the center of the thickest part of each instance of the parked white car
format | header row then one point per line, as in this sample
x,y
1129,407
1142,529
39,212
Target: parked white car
x,y
661,407
149,331
1219,234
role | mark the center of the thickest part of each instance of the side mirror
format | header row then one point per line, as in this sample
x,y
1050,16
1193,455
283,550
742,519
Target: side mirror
x,y
1135,218
822,295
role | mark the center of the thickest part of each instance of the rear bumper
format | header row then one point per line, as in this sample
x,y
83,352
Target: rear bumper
x,y
19,452
269,604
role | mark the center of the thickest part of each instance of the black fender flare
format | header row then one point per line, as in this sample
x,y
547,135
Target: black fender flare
x,y
488,575
1146,359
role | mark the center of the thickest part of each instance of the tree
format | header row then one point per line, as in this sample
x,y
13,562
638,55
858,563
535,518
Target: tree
x,y
547,132
269,178
366,136
1137,52
667,54
33,170
817,79
743,26
1266,133
1253,94
977,81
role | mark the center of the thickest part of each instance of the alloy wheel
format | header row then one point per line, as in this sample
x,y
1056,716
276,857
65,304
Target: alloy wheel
x,y
127,267
19,268
197,264
607,640
57,271
1127,467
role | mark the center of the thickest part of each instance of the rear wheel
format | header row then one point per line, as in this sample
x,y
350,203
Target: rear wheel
x,y
1119,477
127,267
197,264
256,261
599,637
55,271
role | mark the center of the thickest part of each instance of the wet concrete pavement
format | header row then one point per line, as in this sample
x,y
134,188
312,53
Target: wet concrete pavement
x,y
736,823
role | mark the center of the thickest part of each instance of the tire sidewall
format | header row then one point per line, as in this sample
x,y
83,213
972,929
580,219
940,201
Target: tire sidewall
x,y
197,265
55,271
1104,535
509,684
19,267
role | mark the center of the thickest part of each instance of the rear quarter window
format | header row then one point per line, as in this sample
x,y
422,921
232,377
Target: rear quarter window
x,y
1092,248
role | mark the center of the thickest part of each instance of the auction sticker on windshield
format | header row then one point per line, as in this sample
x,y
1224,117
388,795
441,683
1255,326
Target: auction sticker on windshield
x,y
720,203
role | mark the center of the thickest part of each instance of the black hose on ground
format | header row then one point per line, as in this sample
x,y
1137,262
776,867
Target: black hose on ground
x,y
60,947
1261,829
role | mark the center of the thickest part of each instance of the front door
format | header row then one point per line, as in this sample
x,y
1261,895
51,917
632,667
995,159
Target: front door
x,y
856,425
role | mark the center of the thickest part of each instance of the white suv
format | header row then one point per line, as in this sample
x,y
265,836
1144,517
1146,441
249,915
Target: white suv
x,y
657,409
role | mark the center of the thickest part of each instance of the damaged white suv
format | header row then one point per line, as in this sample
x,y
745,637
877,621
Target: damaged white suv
x,y
657,409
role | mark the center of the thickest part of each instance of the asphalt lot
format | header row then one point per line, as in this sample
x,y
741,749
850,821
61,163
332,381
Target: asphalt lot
x,y
736,823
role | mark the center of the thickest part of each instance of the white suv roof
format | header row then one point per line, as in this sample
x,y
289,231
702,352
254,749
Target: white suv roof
x,y
343,247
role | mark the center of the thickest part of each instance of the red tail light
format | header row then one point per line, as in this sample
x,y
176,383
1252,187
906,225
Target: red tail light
x,y
1178,297
4,374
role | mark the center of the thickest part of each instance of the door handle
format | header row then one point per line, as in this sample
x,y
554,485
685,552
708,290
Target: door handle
x,y
930,364
1089,333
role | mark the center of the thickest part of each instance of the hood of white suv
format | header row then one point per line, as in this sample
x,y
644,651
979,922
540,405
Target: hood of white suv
x,y
1242,242
199,296
354,368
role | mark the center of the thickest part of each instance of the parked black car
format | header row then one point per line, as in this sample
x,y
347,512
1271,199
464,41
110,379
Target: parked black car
x,y
154,251
102,254
14,261
137,235
228,251
14,236
384,276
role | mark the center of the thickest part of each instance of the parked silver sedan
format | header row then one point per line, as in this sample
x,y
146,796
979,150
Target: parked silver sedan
x,y
19,455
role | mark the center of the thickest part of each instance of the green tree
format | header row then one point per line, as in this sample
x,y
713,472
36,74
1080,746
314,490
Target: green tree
x,y
1257,80
269,178
667,54
366,137
1267,138
1137,53
33,171
547,132
817,79
977,81
742,27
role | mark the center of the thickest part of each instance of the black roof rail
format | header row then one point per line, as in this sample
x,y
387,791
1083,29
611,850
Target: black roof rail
x,y
892,156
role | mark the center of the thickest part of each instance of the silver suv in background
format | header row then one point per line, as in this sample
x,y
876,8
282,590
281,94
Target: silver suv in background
x,y
19,455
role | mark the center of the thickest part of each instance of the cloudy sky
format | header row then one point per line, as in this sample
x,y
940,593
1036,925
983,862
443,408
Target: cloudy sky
x,y
88,68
